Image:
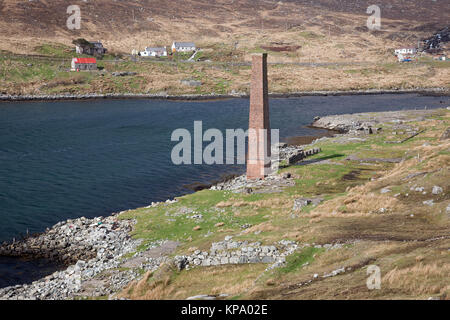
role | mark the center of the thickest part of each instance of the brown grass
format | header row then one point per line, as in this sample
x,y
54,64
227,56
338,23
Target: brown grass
x,y
420,279
358,202
230,279
262,227
323,35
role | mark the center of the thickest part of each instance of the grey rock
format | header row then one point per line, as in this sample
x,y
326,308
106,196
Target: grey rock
x,y
437,190
300,203
385,190
445,135
267,259
243,259
190,82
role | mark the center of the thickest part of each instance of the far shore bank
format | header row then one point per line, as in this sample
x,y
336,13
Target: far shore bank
x,y
205,97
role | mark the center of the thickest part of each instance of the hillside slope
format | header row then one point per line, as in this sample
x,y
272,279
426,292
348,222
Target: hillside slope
x,y
123,25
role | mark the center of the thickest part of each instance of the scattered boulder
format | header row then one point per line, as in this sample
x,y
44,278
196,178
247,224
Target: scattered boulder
x,y
299,203
436,190
123,73
191,82
445,135
385,190
286,175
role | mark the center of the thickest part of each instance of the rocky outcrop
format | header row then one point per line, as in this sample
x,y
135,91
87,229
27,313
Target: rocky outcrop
x,y
343,124
73,240
445,135
89,246
370,123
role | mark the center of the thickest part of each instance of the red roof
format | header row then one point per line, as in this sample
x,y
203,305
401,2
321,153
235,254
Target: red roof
x,y
84,60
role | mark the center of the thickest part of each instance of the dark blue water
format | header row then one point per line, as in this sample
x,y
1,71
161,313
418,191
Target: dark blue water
x,y
20,270
61,160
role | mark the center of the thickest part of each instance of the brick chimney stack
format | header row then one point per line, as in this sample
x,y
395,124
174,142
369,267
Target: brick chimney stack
x,y
258,163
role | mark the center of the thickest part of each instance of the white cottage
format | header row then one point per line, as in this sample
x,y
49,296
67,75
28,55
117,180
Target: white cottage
x,y
183,46
405,51
154,52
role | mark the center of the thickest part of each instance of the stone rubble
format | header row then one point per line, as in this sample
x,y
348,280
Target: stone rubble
x,y
237,252
437,190
273,182
228,252
299,203
88,246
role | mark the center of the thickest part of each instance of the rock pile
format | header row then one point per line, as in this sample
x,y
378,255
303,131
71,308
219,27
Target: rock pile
x,y
299,203
273,182
123,73
73,240
435,42
344,124
89,245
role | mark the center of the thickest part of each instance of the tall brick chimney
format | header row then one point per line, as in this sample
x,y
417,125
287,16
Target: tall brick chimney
x,y
258,163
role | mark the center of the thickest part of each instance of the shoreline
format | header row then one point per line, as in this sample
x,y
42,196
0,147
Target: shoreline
x,y
92,246
85,247
206,97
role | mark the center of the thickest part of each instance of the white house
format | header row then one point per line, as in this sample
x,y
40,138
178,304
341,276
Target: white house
x,y
183,46
154,52
405,51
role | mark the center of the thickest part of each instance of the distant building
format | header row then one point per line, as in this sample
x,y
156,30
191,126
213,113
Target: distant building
x,y
154,52
80,64
402,58
183,46
405,51
405,54
93,48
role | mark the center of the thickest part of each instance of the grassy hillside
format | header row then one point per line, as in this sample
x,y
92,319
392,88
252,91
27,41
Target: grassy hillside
x,y
330,33
50,74
328,29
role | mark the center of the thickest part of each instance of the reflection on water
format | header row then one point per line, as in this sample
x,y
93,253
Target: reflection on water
x,y
15,271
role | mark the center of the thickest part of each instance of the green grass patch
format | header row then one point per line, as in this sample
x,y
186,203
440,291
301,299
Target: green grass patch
x,y
56,50
297,260
310,35
175,222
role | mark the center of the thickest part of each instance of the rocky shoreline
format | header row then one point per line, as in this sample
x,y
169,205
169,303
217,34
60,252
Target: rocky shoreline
x,y
89,247
86,246
102,258
188,97
369,123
